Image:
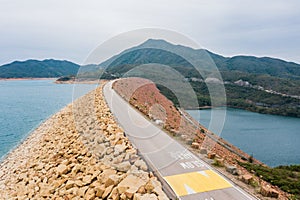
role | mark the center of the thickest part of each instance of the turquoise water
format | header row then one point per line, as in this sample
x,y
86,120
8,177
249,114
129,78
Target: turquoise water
x,y
26,103
274,140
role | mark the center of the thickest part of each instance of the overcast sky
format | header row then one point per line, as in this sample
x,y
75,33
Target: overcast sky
x,y
71,29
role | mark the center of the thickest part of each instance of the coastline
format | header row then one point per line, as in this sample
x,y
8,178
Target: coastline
x,y
24,79
32,131
79,151
78,82
27,136
29,140
241,108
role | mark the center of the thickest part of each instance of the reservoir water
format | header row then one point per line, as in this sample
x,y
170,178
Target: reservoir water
x,y
27,103
274,140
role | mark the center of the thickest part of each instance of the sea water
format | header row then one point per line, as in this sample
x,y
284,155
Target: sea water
x,y
274,140
27,103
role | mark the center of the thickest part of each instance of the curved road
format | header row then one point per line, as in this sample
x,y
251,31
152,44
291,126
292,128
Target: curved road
x,y
186,175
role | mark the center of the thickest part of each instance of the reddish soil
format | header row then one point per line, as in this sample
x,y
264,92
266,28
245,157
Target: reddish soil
x,y
144,95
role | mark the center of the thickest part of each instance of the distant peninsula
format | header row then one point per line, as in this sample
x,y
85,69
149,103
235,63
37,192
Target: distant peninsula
x,y
49,68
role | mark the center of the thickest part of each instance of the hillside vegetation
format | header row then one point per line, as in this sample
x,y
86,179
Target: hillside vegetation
x,y
285,177
273,83
38,69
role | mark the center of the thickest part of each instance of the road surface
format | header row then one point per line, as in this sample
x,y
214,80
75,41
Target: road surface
x,y
187,175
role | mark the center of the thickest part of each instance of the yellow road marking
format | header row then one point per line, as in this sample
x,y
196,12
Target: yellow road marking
x,y
196,182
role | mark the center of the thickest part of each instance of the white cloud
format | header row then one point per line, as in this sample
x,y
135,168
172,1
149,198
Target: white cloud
x,y
70,29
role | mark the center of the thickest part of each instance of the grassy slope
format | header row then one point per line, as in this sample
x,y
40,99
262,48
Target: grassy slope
x,y
285,177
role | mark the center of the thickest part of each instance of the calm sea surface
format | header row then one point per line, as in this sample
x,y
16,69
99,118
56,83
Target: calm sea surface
x,y
27,103
275,140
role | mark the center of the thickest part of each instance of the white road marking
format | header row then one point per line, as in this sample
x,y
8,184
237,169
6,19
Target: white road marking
x,y
203,173
188,189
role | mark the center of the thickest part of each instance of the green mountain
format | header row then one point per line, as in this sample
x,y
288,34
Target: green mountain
x,y
157,51
269,85
38,69
270,73
265,65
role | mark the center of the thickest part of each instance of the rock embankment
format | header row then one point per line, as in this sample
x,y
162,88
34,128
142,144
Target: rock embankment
x,y
78,153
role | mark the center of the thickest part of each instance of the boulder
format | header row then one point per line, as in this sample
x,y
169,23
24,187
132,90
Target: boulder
x,y
267,191
131,152
104,176
123,196
211,155
46,191
80,159
78,183
107,191
131,184
141,174
114,195
203,151
141,165
152,183
232,169
100,148
130,192
112,180
195,145
188,141
117,159
87,179
161,195
120,148
219,162
148,197
76,169
99,190
246,178
124,166
58,183
69,184
62,169
90,194
137,196
109,150
142,190
183,137
82,191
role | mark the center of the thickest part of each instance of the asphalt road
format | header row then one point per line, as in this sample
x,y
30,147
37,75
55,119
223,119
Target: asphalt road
x,y
187,175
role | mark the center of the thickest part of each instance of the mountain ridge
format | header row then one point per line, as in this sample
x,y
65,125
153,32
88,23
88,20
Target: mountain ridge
x,y
241,63
47,68
270,84
248,64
